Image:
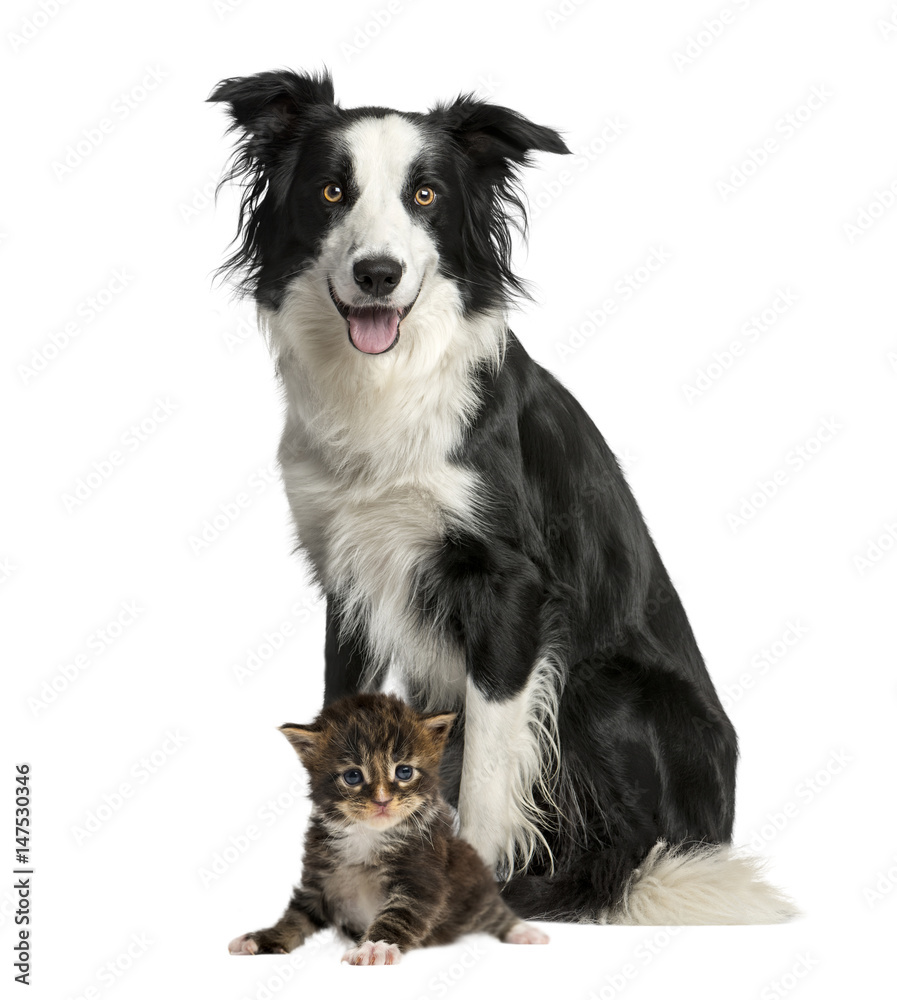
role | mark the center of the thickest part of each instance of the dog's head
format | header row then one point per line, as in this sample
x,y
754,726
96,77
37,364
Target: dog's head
x,y
375,210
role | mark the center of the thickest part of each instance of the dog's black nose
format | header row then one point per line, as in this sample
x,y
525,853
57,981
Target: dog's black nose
x,y
377,275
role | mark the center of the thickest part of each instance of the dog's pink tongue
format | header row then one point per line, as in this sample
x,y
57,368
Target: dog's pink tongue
x,y
373,330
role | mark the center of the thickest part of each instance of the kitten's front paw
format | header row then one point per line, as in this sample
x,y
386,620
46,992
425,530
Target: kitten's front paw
x,y
373,953
525,934
255,943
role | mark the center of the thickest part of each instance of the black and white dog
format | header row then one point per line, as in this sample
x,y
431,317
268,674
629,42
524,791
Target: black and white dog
x,y
465,518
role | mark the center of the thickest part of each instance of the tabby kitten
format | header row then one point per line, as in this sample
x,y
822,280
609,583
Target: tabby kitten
x,y
382,863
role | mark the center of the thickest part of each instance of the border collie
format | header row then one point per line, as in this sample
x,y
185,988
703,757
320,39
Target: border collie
x,y
466,520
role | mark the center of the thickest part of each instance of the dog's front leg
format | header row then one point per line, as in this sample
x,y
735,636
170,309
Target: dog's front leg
x,y
349,666
509,746
510,707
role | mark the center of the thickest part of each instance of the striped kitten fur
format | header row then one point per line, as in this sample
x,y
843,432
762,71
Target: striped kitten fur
x,y
382,863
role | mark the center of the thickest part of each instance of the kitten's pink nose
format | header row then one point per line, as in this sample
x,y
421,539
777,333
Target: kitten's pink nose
x,y
382,803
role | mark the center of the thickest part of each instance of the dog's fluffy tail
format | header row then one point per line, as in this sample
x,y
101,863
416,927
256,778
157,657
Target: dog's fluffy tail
x,y
672,884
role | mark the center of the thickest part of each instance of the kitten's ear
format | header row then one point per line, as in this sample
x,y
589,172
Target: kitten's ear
x,y
439,725
303,738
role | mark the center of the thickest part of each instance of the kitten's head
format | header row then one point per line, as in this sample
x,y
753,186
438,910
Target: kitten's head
x,y
372,759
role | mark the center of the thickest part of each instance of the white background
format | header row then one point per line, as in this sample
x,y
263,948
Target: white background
x,y
807,576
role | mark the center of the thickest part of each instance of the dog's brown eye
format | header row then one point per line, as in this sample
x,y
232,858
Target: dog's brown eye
x,y
333,193
424,196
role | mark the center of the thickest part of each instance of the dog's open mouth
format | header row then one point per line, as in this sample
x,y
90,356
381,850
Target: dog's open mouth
x,y
371,329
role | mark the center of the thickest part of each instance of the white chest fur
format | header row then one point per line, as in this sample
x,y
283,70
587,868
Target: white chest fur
x,y
355,895
355,888
368,541
366,466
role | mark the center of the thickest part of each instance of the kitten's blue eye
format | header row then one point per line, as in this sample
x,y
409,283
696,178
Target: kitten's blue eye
x,y
404,772
353,777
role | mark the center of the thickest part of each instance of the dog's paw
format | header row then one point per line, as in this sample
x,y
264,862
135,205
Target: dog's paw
x,y
373,953
255,943
525,934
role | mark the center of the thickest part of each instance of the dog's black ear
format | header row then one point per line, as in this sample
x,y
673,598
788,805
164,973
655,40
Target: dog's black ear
x,y
270,106
495,142
270,112
496,137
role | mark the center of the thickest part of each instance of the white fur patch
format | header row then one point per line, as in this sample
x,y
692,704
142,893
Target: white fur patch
x,y
360,844
365,461
355,894
510,748
700,885
367,438
379,222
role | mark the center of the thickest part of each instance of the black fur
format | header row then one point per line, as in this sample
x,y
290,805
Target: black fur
x,y
647,751
563,561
